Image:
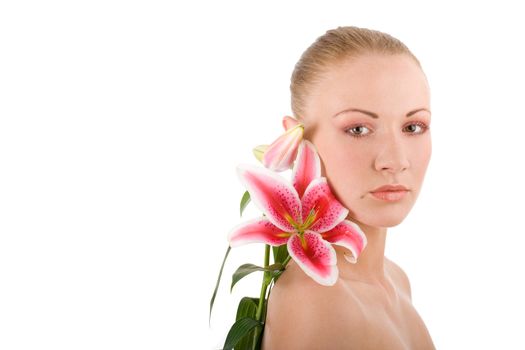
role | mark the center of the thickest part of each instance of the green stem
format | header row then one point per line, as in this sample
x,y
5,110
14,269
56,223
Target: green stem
x,y
286,260
265,283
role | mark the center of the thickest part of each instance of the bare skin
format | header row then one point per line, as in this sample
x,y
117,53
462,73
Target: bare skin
x,y
355,314
370,305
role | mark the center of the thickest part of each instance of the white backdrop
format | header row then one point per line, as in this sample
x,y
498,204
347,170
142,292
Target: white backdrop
x,y
121,126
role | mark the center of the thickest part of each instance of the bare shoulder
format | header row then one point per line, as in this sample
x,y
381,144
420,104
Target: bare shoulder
x,y
303,314
400,277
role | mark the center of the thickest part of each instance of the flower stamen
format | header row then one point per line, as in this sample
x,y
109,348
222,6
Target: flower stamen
x,y
312,215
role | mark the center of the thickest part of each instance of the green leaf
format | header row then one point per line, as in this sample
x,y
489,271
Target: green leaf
x,y
238,330
259,342
247,308
246,269
218,280
280,253
245,200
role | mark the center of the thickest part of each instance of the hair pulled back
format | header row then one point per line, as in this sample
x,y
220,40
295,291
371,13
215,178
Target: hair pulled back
x,y
334,46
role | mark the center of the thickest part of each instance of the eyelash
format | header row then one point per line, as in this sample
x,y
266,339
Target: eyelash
x,y
422,125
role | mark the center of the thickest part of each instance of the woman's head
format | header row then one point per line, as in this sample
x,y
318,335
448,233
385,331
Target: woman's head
x,y
387,141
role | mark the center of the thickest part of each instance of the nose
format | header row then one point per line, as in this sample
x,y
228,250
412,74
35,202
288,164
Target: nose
x,y
393,157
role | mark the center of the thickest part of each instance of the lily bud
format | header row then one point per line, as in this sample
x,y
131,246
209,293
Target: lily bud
x,y
289,122
258,152
281,154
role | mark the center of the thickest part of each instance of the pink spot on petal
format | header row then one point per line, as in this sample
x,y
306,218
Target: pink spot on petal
x,y
277,200
257,230
316,257
329,211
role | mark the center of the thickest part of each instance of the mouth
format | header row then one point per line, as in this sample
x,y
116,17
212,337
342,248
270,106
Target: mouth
x,y
390,196
395,187
390,193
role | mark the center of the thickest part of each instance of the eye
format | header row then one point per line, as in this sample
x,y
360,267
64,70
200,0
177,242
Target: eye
x,y
414,127
356,131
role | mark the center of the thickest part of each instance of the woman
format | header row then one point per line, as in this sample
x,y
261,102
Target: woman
x,y
365,104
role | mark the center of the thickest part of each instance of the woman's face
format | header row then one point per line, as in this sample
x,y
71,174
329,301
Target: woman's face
x,y
359,152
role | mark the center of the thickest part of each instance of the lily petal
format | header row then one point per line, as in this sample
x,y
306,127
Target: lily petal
x,y
272,194
306,168
325,209
289,122
259,230
281,154
258,152
317,258
349,235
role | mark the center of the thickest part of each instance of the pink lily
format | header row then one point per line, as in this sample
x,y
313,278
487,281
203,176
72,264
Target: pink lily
x,y
279,156
305,215
289,122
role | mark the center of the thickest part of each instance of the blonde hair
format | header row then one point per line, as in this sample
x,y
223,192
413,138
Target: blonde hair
x,y
333,47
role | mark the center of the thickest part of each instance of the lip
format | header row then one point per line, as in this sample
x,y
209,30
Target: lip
x,y
390,188
390,193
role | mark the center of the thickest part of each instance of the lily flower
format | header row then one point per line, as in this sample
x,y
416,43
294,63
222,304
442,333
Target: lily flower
x,y
289,122
280,155
305,215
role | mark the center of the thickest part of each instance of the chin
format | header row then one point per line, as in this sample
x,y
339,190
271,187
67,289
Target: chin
x,y
381,221
379,217
388,222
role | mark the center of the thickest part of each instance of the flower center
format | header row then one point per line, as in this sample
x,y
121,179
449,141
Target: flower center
x,y
300,228
312,215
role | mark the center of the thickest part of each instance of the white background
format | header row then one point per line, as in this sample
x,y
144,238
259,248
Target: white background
x,y
121,126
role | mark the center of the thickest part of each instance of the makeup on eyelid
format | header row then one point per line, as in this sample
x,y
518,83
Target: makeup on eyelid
x,y
424,127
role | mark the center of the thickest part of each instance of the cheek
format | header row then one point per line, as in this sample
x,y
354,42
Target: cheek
x,y
335,148
341,159
345,165
421,157
347,172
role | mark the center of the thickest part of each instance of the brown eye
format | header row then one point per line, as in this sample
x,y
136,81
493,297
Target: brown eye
x,y
357,131
414,126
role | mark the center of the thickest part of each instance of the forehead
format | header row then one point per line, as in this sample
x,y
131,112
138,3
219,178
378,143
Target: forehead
x,y
381,82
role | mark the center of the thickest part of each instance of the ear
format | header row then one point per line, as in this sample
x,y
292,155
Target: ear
x,y
289,122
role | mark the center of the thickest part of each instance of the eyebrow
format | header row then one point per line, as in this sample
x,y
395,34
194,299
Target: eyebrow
x,y
375,116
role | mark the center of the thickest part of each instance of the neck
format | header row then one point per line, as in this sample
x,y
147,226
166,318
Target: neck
x,y
370,265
